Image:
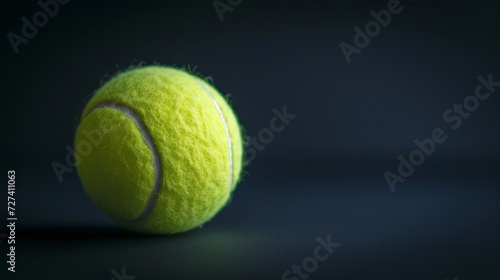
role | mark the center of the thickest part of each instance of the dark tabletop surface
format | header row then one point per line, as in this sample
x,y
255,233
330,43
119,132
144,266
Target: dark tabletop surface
x,y
432,227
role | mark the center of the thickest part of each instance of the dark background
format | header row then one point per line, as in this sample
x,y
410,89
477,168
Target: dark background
x,y
323,175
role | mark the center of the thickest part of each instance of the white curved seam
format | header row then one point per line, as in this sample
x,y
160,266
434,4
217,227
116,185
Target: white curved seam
x,y
149,141
230,146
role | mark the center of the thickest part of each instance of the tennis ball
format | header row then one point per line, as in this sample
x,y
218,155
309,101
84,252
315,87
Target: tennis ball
x,y
167,154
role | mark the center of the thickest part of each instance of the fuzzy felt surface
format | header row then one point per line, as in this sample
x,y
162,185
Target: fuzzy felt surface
x,y
184,124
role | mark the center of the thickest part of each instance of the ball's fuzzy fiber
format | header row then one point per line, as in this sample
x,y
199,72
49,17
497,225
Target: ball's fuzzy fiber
x,y
167,150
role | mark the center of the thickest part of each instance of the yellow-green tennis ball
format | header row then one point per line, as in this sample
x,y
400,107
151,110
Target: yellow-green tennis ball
x,y
160,150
